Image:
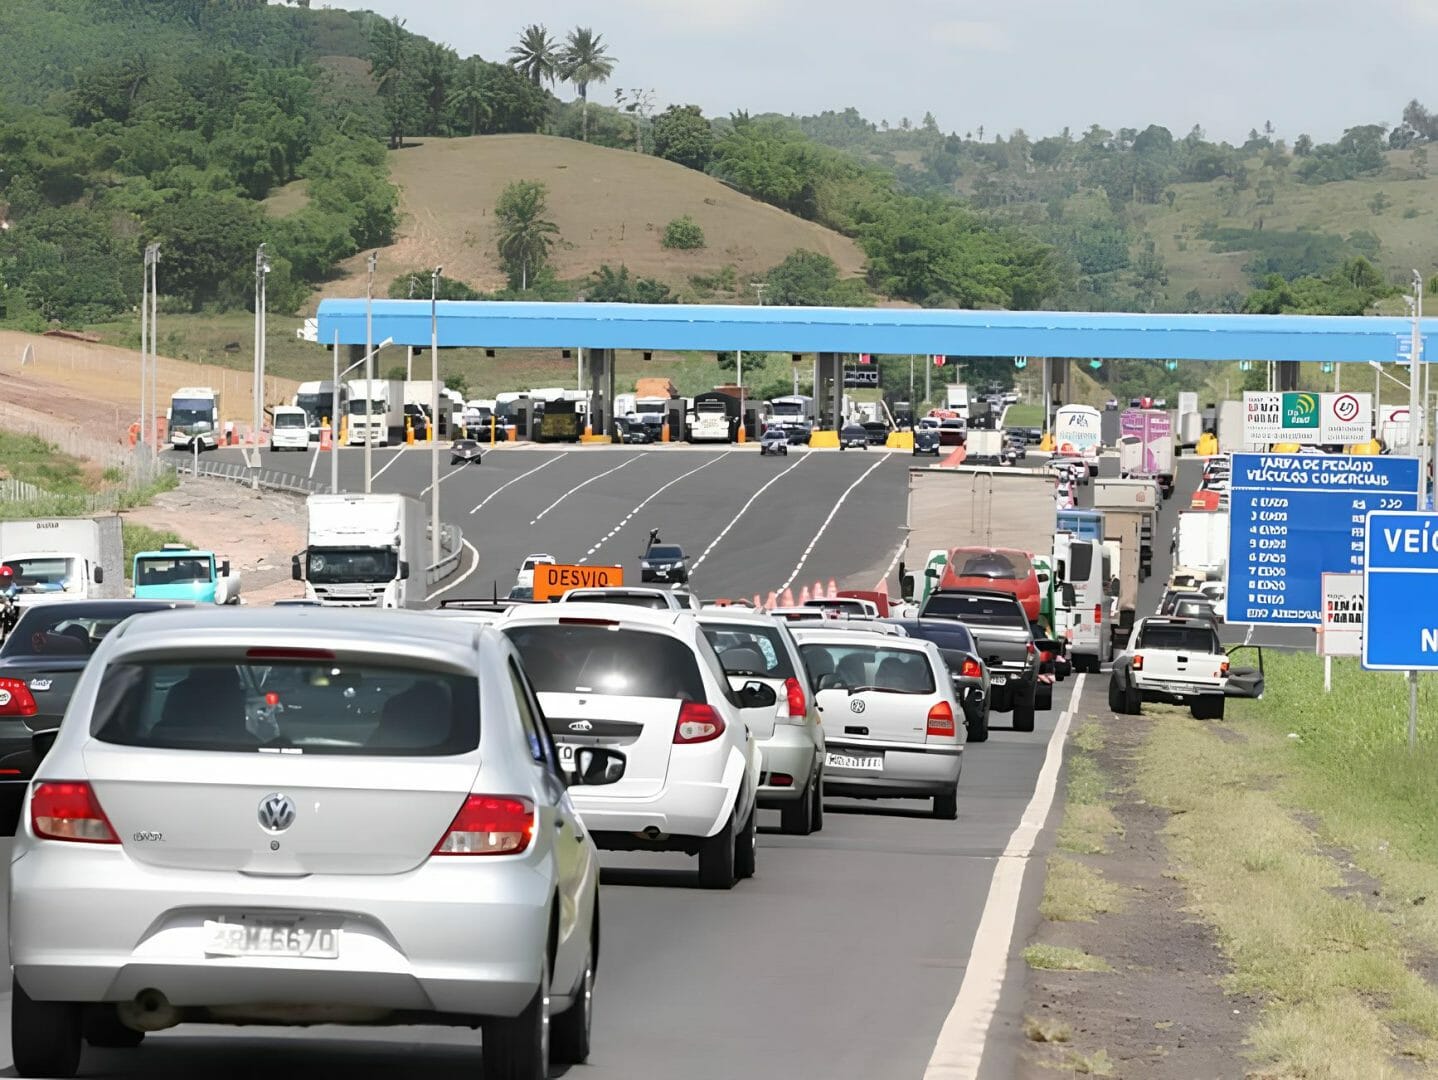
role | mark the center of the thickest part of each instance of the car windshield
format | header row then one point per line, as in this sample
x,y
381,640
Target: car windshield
x,y
290,420
171,571
566,658
334,707
858,667
338,566
1193,639
745,649
1193,609
663,551
979,610
42,573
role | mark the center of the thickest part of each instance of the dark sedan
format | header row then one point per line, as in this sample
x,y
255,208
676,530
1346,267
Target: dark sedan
x,y
40,663
878,432
631,431
926,441
953,432
853,435
966,668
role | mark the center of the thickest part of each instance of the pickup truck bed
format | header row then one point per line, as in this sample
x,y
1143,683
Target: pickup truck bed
x,y
1175,661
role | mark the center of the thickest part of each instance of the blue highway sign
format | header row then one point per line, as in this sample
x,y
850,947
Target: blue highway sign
x,y
1400,587
1294,517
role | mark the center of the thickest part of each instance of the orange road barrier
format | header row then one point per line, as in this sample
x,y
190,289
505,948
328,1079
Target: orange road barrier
x,y
833,588
788,598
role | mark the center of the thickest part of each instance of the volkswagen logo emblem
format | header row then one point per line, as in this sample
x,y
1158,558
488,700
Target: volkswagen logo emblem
x,y
581,725
277,812
856,705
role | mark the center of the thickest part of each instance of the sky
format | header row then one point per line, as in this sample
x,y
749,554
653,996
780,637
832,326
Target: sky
x,y
1308,66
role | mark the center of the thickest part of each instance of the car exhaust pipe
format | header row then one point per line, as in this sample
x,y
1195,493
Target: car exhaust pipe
x,y
651,832
150,1011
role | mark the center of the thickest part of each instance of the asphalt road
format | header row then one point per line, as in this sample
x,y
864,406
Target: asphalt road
x,y
844,955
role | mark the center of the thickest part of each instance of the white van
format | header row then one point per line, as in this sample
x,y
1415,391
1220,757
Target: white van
x,y
291,429
1083,608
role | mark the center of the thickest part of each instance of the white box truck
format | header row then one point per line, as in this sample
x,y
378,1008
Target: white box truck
x,y
64,558
382,400
365,551
1202,543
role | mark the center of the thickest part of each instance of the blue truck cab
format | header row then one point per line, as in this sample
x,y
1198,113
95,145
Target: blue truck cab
x,y
178,572
1084,524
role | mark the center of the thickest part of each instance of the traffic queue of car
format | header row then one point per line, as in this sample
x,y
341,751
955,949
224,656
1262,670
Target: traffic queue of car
x,y
297,814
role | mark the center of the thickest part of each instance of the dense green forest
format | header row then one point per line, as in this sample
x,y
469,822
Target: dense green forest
x,y
125,122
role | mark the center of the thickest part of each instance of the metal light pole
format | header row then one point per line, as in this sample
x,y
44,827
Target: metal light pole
x,y
1414,389
146,411
262,267
434,415
334,416
369,371
913,405
154,348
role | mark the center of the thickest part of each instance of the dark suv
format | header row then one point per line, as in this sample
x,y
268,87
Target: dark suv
x,y
664,562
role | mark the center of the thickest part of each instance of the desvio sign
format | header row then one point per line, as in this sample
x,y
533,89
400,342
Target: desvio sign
x,y
553,580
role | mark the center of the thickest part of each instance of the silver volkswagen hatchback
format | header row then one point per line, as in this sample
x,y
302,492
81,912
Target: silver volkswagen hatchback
x,y
259,816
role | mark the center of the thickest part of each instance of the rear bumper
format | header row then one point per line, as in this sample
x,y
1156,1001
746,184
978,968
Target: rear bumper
x,y
790,750
1177,693
909,770
95,926
682,809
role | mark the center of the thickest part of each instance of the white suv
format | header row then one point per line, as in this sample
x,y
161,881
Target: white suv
x,y
751,645
648,682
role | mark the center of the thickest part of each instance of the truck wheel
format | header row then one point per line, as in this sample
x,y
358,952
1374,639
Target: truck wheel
x,y
1044,698
1115,697
979,728
1133,700
1207,708
1024,712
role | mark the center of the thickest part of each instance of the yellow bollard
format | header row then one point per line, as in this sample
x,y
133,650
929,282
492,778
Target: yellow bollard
x,y
429,430
664,431
1047,442
491,429
741,434
344,430
408,431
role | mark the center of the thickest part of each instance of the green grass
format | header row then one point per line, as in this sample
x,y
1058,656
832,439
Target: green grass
x,y
1058,958
1088,820
31,459
1076,892
1024,415
1341,998
140,538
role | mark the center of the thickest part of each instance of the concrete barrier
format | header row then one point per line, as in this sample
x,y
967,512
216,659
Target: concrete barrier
x,y
824,440
900,440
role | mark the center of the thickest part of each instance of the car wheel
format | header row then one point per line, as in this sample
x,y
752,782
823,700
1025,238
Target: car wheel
x,y
716,857
979,727
518,1048
1133,702
102,1029
569,1034
746,851
946,806
1044,698
1115,697
797,818
818,800
44,1035
1024,712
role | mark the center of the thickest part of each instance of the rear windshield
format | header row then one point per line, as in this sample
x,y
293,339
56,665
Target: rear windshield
x,y
569,659
993,564
860,667
660,551
1193,639
980,610
290,420
64,631
305,707
952,636
644,600
1080,561
1193,609
750,650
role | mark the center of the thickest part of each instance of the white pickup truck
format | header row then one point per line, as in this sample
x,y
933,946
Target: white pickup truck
x,y
1171,660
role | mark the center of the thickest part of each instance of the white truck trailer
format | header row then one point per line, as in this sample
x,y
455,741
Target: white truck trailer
x,y
365,551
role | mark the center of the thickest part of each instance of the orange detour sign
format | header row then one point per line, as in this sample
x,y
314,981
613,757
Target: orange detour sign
x,y
552,580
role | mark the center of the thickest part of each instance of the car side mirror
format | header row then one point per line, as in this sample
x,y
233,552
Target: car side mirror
x,y
906,586
595,766
99,575
1042,578
932,573
296,572
41,742
225,568
756,695
404,571
1069,598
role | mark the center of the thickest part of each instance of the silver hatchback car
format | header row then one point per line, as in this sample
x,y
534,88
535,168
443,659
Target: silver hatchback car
x,y
258,816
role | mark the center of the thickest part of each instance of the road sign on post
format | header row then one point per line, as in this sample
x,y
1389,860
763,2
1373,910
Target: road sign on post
x,y
1306,417
1340,633
1400,586
1294,517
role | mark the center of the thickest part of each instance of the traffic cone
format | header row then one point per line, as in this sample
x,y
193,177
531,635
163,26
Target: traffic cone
x,y
772,602
788,597
818,593
833,588
803,596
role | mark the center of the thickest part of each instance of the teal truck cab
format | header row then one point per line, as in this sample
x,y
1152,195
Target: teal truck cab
x,y
177,572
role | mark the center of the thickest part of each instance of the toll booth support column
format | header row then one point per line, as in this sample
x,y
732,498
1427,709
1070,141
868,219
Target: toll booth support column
x,y
828,390
1288,375
1058,383
600,365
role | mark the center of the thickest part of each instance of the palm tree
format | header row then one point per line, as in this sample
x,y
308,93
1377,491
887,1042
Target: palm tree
x,y
535,57
525,234
467,95
585,61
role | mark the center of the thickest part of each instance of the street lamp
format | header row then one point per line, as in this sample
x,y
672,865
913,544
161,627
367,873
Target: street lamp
x,y
262,269
434,415
335,404
154,348
369,370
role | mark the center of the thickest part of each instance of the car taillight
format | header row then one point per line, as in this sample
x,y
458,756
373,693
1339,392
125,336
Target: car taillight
x,y
941,720
972,669
68,810
1031,649
697,723
16,699
795,706
1138,662
1223,668
1098,613
489,825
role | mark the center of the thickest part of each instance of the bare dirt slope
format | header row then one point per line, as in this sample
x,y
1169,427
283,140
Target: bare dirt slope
x,y
611,206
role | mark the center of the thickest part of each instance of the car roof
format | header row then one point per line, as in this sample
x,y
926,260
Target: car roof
x,y
361,629
825,635
736,615
1179,620
650,618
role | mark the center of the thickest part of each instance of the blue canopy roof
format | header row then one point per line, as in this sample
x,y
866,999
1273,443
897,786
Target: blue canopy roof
x,y
494,324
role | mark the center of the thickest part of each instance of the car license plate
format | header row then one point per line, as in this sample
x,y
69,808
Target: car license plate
x,y
566,757
854,761
998,680
270,938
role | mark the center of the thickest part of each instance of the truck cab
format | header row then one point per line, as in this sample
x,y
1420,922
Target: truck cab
x,y
364,551
176,572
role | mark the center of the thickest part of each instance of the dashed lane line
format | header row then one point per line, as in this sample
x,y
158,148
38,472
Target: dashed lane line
x,y
585,483
388,463
517,479
628,517
752,498
809,550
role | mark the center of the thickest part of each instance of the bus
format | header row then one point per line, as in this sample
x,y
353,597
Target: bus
x,y
1077,434
194,418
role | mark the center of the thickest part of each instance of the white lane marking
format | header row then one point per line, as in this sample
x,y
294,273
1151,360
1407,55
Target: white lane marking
x,y
808,550
961,1041
732,521
586,483
898,554
517,479
315,460
459,580
452,472
610,535
388,463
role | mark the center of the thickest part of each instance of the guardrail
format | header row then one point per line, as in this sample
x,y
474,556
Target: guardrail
x,y
274,479
451,543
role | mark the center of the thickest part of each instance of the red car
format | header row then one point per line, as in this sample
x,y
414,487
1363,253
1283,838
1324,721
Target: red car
x,y
1004,569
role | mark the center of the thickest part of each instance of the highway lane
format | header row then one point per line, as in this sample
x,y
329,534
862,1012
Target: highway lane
x,y
840,959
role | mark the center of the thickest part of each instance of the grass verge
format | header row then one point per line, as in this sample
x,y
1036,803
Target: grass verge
x,y
1341,995
1060,958
143,538
1024,415
1075,892
1088,820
